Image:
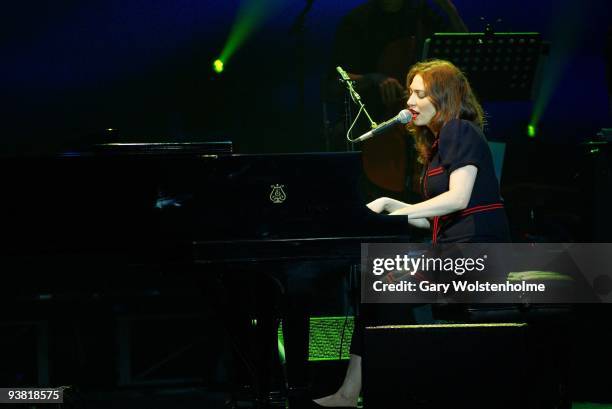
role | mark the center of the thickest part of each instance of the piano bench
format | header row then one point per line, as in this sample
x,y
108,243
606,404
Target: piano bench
x,y
527,307
549,320
474,366
475,355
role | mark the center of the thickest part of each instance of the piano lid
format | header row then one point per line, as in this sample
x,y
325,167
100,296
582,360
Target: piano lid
x,y
257,197
157,149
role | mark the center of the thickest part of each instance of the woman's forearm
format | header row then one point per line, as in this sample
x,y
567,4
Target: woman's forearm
x,y
392,205
440,205
388,205
419,223
457,197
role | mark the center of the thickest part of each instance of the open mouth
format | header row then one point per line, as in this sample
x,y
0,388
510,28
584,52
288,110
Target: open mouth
x,y
414,113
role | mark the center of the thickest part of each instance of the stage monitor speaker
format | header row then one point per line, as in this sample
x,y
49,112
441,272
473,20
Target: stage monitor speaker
x,y
446,366
329,338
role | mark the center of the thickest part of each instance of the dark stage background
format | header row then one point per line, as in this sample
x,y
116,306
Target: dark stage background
x,y
72,69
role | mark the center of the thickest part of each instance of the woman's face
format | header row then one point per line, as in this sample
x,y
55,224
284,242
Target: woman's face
x,y
419,104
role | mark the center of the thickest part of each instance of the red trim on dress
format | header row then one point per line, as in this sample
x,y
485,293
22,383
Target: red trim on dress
x,y
432,172
483,208
425,192
465,212
435,171
436,220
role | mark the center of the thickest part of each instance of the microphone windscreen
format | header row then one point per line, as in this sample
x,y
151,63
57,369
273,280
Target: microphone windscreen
x,y
404,116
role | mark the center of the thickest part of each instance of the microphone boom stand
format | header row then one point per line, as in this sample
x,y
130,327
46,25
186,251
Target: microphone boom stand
x,y
357,100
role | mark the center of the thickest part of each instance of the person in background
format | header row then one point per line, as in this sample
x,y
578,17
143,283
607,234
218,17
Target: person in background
x,y
376,43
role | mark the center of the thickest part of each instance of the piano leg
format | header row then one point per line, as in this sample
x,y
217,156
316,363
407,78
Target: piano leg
x,y
296,326
312,289
258,298
249,305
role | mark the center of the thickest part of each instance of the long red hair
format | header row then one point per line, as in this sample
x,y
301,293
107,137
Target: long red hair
x,y
451,94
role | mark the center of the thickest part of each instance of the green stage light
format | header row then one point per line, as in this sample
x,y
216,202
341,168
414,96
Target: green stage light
x,y
568,26
218,66
251,15
531,130
281,350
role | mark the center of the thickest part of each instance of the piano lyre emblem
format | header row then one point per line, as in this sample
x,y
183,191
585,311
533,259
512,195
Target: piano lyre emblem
x,y
278,194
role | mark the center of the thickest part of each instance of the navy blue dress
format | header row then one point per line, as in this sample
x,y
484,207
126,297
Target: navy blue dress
x,y
484,220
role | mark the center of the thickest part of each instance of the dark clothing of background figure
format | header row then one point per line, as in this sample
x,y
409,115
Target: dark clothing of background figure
x,y
460,143
378,45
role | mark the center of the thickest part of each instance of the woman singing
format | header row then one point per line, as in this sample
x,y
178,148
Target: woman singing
x,y
461,195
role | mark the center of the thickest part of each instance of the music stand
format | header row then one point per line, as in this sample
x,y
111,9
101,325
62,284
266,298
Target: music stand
x,y
500,66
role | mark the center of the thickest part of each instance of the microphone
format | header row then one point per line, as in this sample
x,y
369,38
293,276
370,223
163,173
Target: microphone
x,y
349,84
343,74
403,117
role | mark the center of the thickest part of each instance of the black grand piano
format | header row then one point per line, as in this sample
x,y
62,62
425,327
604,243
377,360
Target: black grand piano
x,y
121,220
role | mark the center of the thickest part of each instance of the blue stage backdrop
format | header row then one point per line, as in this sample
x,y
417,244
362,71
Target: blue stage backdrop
x,y
71,69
